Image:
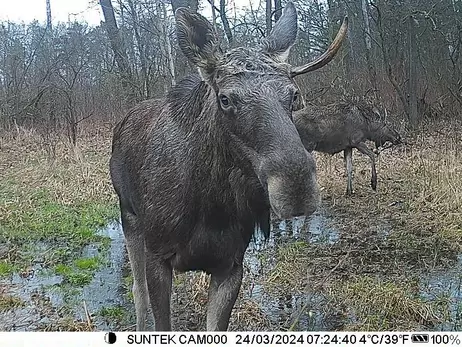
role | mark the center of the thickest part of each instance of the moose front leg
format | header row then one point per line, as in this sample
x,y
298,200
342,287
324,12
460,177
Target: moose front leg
x,y
159,278
348,157
366,150
137,257
223,292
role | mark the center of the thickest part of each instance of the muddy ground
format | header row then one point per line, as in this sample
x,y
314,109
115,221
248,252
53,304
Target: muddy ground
x,y
385,260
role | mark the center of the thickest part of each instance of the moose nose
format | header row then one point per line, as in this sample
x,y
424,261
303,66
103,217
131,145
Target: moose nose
x,y
288,200
289,175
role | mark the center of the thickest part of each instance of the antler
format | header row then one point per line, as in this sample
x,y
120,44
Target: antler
x,y
326,56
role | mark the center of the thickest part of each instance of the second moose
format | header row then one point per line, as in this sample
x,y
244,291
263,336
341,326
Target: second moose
x,y
343,126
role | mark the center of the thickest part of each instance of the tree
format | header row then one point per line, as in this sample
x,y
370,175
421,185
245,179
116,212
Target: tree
x,y
49,25
412,60
224,20
55,77
120,53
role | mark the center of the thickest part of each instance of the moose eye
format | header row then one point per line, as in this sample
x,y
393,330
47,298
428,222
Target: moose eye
x,y
224,101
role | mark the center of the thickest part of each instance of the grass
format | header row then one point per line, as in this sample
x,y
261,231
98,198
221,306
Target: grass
x,y
384,305
50,221
81,273
52,205
290,269
8,302
89,264
411,226
117,313
6,268
128,285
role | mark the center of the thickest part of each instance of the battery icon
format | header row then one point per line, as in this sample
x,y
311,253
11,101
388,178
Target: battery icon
x,y
419,338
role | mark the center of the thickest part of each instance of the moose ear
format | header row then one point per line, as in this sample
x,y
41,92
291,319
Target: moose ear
x,y
283,36
197,39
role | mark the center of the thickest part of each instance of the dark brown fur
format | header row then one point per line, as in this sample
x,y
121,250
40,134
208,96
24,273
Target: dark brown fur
x,y
343,126
198,171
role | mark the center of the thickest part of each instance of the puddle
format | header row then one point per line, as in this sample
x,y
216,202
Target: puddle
x,y
106,290
45,300
446,285
40,298
284,309
314,229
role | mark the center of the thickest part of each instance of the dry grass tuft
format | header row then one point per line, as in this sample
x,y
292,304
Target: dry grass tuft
x,y
290,272
68,324
376,305
8,302
248,315
72,174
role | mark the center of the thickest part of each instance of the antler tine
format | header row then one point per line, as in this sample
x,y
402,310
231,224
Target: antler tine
x,y
327,56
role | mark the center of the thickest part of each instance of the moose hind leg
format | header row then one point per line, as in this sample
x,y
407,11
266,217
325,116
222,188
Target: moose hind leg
x,y
366,150
159,277
223,292
348,157
136,255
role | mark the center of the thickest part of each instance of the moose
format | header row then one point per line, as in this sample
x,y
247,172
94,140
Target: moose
x,y
198,172
343,126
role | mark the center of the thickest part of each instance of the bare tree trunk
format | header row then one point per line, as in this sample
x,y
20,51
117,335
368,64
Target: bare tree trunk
x,y
168,46
367,28
49,25
225,22
367,41
214,14
269,24
122,13
332,16
70,116
386,60
141,49
118,49
412,91
335,11
351,58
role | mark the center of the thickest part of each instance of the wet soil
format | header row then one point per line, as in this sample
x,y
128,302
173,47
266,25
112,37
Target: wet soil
x,y
47,303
